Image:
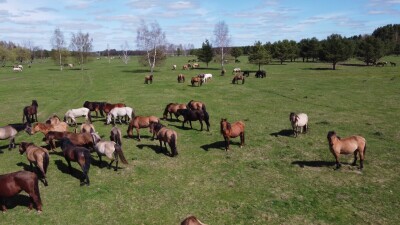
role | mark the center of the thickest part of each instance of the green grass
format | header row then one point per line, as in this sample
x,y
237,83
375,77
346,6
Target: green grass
x,y
274,179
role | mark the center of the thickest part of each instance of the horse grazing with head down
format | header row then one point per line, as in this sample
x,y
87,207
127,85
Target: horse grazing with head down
x,y
236,79
80,112
172,108
36,155
148,79
30,112
13,183
45,127
140,122
165,135
117,112
193,115
95,106
110,149
298,121
77,154
353,144
197,80
196,105
232,131
181,78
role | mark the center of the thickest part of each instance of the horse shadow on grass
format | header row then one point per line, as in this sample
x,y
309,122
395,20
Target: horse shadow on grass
x,y
187,126
285,133
317,163
216,145
155,148
17,200
4,147
63,167
25,166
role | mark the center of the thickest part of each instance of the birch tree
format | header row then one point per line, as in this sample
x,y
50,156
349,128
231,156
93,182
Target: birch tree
x,y
125,49
222,39
58,43
81,44
151,39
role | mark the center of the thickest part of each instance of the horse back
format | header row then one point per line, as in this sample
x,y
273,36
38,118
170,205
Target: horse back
x,y
12,183
7,131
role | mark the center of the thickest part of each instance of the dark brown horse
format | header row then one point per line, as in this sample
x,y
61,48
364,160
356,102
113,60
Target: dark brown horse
x,y
165,135
231,131
107,106
349,145
193,115
140,122
236,79
95,106
172,108
148,79
13,183
197,80
30,112
181,78
36,155
116,135
77,154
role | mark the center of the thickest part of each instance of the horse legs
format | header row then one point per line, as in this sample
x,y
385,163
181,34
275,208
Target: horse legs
x,y
226,143
138,134
109,165
362,153
69,166
338,165
190,122
201,123
116,161
12,143
355,158
241,139
3,204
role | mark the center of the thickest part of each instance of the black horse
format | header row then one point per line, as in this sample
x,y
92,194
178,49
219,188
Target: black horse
x,y
30,112
261,74
95,106
193,115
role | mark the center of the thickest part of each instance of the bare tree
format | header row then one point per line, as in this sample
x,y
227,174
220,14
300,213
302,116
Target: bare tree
x,y
58,43
81,44
222,39
125,49
151,39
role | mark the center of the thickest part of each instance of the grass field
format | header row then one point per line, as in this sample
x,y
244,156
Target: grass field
x,y
274,179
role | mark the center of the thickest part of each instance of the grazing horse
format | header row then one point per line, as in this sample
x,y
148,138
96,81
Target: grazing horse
x,y
181,78
17,69
261,74
193,115
197,80
231,131
116,135
298,121
165,135
80,112
236,70
36,155
196,105
45,127
95,106
148,79
172,108
236,79
108,107
30,112
10,131
185,67
86,128
207,77
120,111
54,119
77,154
13,183
349,145
192,220
109,149
173,67
141,122
392,64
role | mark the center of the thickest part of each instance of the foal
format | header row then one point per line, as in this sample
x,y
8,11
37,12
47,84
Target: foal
x,y
231,131
36,155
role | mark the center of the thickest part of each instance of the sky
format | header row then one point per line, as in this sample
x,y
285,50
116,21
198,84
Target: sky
x,y
112,23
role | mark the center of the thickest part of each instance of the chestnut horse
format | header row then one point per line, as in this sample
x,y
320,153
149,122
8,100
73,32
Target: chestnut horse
x,y
197,80
165,135
148,79
116,135
78,139
95,106
172,108
192,220
112,150
353,144
193,115
13,183
108,107
36,155
30,112
44,127
231,131
196,105
77,154
51,136
236,79
181,78
141,122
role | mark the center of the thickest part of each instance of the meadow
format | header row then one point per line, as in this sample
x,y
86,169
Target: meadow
x,y
274,179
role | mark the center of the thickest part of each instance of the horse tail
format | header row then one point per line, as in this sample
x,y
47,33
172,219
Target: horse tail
x,y
203,107
23,116
88,158
173,143
206,118
45,163
118,138
89,117
120,153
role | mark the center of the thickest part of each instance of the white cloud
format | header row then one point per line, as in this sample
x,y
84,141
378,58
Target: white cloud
x,y
181,5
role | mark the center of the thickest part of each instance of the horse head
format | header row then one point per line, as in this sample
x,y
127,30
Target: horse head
x,y
22,147
34,103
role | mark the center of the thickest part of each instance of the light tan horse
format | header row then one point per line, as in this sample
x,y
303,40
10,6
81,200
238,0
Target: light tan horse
x,y
353,144
109,149
44,127
232,131
165,135
54,119
36,155
86,128
141,122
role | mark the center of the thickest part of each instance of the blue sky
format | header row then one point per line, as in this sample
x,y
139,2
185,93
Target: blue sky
x,y
192,21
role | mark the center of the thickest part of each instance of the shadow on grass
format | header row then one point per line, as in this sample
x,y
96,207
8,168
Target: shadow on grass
x,y
24,166
155,148
285,133
314,163
216,145
63,167
317,68
187,127
4,147
18,200
136,71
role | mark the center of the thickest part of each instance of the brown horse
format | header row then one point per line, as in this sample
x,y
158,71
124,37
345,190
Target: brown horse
x,y
86,128
237,78
44,127
77,154
30,112
148,79
51,136
95,106
36,155
192,220
172,108
141,122
54,119
116,135
181,78
196,105
197,80
165,135
349,145
108,107
231,131
13,183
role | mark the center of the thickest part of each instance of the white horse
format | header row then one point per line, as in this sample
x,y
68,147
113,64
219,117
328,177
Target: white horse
x,y
17,69
120,111
298,121
174,67
109,149
207,76
237,70
20,66
80,112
